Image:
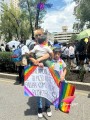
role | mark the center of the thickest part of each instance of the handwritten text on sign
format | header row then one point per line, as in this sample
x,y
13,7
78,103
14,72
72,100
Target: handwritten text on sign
x,y
41,83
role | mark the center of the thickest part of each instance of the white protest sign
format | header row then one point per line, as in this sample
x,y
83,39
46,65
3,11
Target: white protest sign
x,y
41,83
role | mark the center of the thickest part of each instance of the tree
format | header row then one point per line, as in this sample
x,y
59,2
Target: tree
x,y
73,37
34,14
13,23
82,13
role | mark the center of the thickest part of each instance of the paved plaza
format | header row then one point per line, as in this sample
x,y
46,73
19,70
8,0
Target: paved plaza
x,y
15,106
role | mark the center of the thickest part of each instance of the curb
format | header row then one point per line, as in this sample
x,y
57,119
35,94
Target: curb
x,y
9,76
79,85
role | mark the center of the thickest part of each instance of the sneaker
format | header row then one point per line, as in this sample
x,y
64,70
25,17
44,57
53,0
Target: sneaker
x,y
40,113
77,68
48,111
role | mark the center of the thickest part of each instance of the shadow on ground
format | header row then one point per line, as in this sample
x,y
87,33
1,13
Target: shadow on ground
x,y
33,107
88,95
32,102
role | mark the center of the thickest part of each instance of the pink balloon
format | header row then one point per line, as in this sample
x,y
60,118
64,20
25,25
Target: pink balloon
x,y
68,99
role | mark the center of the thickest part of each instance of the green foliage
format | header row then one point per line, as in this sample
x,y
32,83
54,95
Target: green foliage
x,y
6,64
32,10
9,25
73,37
13,23
6,55
82,12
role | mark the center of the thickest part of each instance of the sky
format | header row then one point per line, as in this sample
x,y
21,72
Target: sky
x,y
60,14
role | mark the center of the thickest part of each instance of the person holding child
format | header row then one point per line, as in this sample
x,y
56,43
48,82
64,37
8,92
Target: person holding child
x,y
37,34
40,50
42,55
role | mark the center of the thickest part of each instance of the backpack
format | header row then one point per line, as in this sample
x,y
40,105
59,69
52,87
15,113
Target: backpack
x,y
17,54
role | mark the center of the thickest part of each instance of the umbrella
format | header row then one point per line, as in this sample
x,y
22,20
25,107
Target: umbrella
x,y
13,42
83,34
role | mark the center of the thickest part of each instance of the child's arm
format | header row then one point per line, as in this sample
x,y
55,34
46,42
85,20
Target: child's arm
x,y
49,50
51,55
62,76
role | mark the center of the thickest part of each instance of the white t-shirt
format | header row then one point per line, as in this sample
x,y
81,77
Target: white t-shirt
x,y
2,48
41,50
65,50
24,49
57,65
71,50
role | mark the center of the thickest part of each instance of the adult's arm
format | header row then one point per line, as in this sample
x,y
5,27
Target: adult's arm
x,y
44,57
37,61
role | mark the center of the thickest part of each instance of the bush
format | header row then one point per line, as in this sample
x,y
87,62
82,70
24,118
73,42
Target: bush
x,y
6,64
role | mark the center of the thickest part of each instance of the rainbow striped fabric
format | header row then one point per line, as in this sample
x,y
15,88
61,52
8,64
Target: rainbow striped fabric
x,y
28,70
66,90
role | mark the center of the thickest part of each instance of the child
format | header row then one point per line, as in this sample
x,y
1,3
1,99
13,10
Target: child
x,y
58,64
40,51
57,60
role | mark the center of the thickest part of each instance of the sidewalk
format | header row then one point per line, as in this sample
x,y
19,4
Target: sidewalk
x,y
79,85
15,106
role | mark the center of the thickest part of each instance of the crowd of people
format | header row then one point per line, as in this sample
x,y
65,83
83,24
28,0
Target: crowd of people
x,y
76,53
4,48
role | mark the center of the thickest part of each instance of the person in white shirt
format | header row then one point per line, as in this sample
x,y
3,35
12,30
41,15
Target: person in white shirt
x,y
2,48
41,49
65,52
71,55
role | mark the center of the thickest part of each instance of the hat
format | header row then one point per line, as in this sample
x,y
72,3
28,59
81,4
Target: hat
x,y
57,48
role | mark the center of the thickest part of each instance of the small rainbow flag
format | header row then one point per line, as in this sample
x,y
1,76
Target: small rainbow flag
x,y
66,90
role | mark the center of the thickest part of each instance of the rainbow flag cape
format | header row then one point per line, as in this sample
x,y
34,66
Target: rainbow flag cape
x,y
66,90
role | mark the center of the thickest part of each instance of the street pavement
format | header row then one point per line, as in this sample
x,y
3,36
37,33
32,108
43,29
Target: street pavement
x,y
15,106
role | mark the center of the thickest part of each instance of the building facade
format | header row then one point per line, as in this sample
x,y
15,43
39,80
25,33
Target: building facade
x,y
63,36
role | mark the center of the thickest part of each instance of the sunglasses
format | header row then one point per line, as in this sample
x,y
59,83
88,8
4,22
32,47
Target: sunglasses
x,y
37,35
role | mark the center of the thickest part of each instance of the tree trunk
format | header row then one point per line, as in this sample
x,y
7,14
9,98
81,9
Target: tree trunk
x,y
37,17
30,19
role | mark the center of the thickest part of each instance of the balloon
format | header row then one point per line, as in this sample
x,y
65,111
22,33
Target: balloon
x,y
68,99
86,40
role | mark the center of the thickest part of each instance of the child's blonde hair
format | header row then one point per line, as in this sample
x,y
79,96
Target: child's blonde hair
x,y
38,31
